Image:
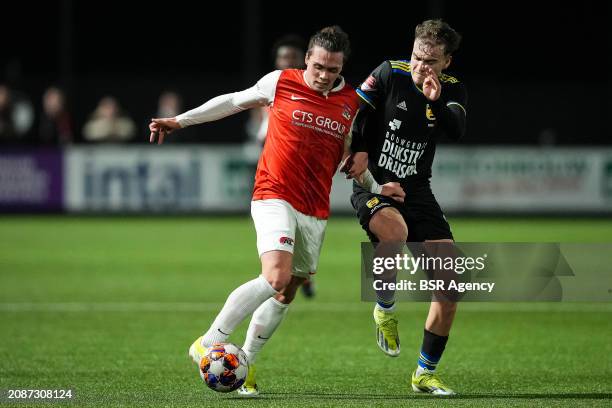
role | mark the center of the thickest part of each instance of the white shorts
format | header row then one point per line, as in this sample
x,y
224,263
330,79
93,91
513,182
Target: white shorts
x,y
279,226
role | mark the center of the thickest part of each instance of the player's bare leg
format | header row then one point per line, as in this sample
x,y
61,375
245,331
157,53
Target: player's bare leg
x,y
441,314
440,317
389,227
287,295
276,268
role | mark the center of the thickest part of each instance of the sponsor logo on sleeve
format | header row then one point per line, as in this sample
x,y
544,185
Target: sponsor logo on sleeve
x,y
369,84
372,202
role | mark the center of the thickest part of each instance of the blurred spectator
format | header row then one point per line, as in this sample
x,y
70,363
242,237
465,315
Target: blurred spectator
x,y
108,123
169,105
21,107
288,52
7,126
55,125
16,116
23,115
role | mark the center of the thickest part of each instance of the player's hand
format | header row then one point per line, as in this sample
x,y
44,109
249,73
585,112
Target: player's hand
x,y
355,165
431,85
160,127
394,190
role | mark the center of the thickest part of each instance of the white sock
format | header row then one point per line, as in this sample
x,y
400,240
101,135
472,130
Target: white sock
x,y
386,309
239,304
420,370
264,322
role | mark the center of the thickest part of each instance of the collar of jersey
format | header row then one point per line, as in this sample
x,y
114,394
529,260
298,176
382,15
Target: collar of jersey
x,y
420,90
334,89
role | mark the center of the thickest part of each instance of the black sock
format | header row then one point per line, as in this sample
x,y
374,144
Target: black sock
x,y
431,350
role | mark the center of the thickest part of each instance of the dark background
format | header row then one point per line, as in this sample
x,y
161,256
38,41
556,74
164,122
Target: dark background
x,y
536,72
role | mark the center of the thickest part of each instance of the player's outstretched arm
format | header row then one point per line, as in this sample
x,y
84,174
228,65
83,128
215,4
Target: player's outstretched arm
x,y
261,94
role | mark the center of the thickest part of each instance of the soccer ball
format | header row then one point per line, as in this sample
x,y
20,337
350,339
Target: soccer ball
x,y
224,367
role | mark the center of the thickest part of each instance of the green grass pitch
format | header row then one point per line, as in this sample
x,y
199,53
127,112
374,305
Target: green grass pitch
x,y
108,307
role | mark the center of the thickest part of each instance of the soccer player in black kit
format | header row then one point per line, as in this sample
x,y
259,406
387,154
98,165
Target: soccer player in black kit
x,y
407,106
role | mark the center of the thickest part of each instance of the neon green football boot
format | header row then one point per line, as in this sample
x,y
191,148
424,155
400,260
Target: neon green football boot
x,y
197,351
386,331
430,383
249,388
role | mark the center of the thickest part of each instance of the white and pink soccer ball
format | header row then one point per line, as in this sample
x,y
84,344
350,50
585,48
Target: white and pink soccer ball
x,y
224,367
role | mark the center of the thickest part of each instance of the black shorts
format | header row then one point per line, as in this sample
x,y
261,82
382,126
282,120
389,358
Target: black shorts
x,y
421,212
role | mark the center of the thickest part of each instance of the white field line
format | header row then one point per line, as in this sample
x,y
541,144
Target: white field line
x,y
300,306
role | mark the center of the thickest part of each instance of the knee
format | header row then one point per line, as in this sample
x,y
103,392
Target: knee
x,y
287,294
392,232
278,282
284,297
277,276
276,268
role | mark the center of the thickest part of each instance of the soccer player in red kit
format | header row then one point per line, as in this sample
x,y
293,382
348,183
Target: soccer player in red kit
x,y
311,113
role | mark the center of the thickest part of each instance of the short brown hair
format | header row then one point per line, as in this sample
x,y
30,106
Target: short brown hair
x,y
332,39
439,33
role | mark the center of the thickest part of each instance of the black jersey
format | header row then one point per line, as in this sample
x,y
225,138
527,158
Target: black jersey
x,y
398,126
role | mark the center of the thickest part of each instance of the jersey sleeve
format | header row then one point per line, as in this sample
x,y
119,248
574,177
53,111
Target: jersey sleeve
x,y
358,140
456,95
260,94
373,89
371,93
266,86
450,110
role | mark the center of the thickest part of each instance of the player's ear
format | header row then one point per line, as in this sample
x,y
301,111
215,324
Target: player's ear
x,y
448,62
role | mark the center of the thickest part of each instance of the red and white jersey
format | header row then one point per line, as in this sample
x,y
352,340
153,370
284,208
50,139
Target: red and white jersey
x,y
305,137
305,141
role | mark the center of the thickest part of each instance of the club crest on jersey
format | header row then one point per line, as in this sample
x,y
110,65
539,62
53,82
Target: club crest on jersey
x,y
429,114
346,113
286,241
